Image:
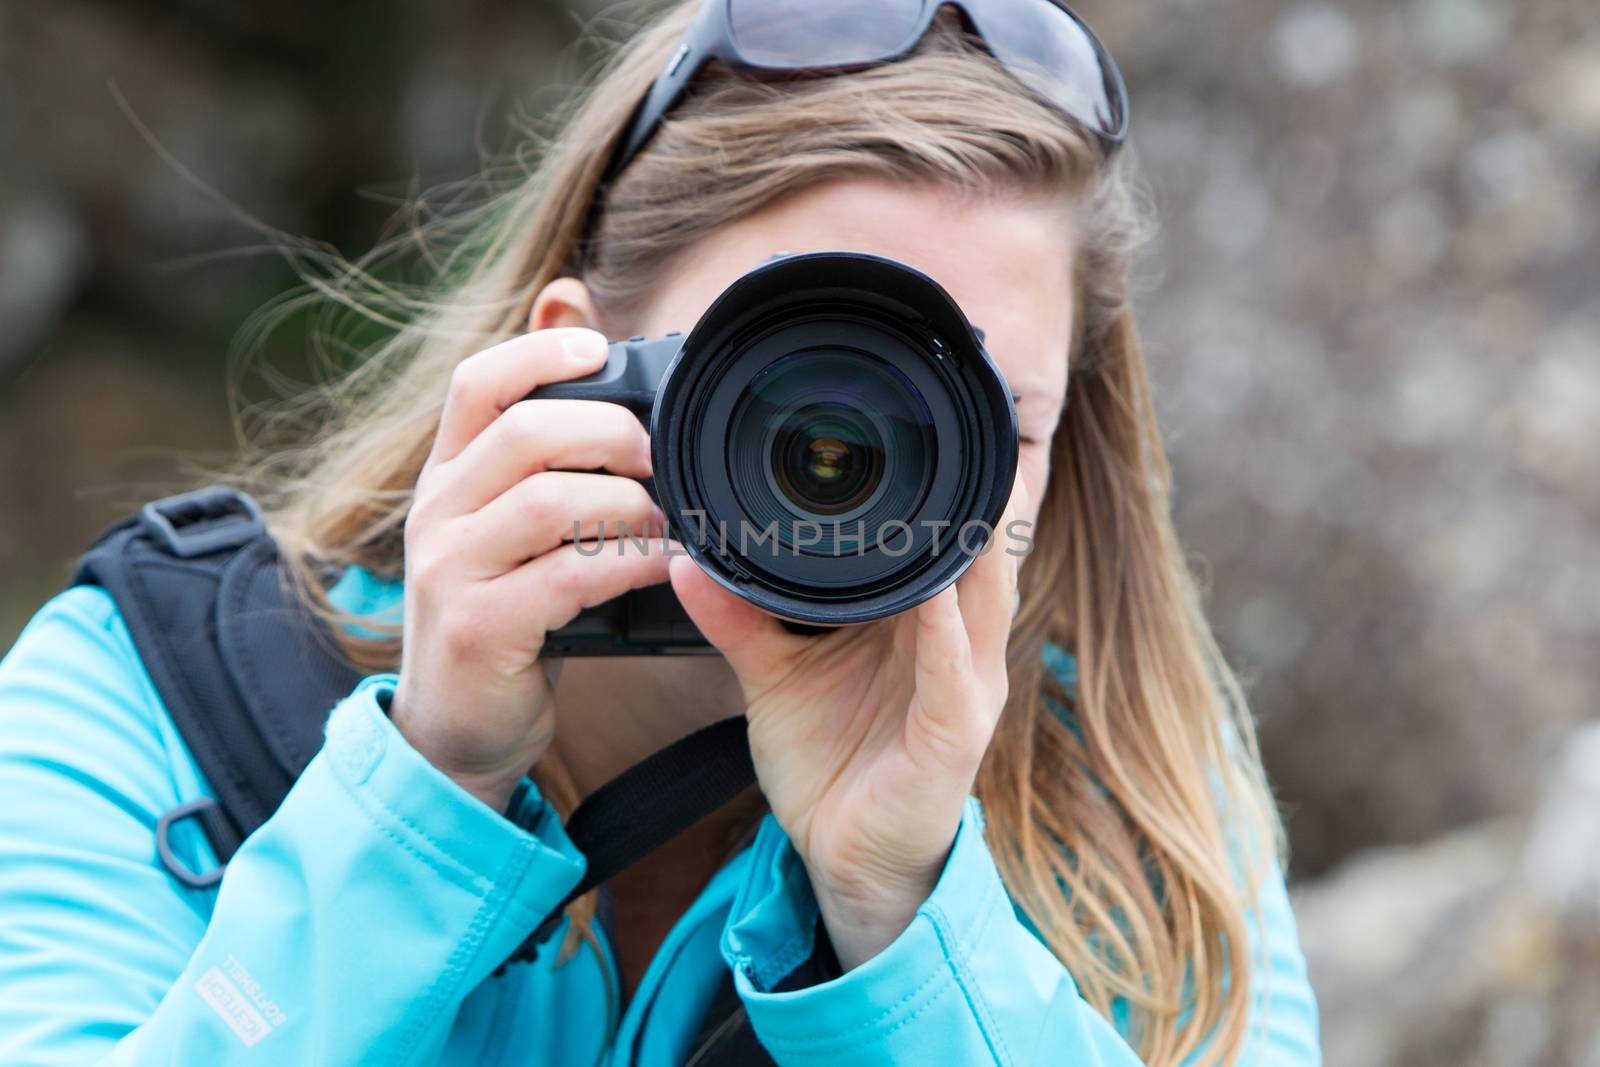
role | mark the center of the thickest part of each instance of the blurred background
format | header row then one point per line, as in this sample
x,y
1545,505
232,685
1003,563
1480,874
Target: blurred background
x,y
1373,317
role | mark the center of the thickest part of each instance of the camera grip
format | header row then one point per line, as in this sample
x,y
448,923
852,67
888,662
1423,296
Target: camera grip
x,y
632,373
646,621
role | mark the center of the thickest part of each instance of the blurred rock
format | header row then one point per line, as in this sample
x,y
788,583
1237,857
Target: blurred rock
x,y
1315,45
1562,864
1478,949
43,257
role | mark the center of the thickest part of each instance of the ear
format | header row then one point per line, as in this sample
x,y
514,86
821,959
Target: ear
x,y
564,302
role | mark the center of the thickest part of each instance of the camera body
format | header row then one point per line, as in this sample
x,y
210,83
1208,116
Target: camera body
x,y
831,442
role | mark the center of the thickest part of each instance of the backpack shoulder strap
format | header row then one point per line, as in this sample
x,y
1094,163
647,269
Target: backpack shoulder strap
x,y
246,674
249,678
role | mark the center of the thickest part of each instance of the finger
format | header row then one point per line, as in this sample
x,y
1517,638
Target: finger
x,y
540,512
540,435
754,643
946,719
989,589
558,585
487,383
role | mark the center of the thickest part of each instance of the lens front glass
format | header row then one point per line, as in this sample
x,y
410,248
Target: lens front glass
x,y
826,446
827,459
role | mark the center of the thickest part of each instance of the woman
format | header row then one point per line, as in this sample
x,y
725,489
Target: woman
x,y
1110,896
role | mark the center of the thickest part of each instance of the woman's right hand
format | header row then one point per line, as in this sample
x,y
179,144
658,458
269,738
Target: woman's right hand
x,y
490,565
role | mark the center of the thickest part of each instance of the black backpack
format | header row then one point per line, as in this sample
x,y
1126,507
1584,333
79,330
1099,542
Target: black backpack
x,y
249,678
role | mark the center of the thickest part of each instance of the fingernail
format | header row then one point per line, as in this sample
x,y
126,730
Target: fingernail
x,y
584,346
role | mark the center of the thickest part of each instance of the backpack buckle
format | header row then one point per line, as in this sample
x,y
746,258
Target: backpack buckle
x,y
194,809
203,521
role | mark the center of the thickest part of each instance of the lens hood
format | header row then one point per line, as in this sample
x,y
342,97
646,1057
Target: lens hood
x,y
885,349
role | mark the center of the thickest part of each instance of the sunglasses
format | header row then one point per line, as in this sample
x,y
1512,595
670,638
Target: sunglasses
x,y
1042,43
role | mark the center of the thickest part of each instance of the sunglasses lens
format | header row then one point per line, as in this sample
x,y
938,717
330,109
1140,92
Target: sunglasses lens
x,y
1055,55
822,33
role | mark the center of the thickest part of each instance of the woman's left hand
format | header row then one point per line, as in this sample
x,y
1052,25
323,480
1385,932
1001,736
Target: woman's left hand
x,y
866,740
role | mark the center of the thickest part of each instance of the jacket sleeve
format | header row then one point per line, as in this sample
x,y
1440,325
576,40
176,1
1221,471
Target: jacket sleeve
x,y
966,983
375,866
1284,1026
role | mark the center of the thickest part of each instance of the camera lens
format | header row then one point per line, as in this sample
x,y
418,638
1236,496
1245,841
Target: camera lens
x,y
826,445
827,459
828,435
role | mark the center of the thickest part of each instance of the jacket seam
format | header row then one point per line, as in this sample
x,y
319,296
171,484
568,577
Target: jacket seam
x,y
827,1046
955,953
465,873
379,814
469,948
783,960
449,980
800,1042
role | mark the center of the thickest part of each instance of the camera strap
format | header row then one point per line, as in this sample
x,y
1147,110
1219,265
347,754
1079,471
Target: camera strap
x,y
648,805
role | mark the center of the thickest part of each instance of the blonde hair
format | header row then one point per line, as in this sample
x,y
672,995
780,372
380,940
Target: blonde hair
x,y
1128,813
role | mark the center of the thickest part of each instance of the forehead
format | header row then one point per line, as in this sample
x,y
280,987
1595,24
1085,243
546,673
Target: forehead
x,y
1007,260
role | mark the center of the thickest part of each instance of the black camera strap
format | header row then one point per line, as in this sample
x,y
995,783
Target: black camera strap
x,y
649,804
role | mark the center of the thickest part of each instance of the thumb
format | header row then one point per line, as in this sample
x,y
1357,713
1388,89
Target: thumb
x,y
756,644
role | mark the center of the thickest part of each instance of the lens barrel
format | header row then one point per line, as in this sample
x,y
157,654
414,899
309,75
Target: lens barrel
x,y
832,442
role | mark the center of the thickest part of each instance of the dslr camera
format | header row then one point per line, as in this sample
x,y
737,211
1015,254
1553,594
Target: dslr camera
x,y
831,442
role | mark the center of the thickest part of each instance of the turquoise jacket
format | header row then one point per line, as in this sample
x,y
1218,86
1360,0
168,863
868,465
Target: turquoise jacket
x,y
363,923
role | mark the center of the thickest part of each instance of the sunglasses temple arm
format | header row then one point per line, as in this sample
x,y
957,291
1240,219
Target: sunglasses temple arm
x,y
694,50
663,95
691,54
